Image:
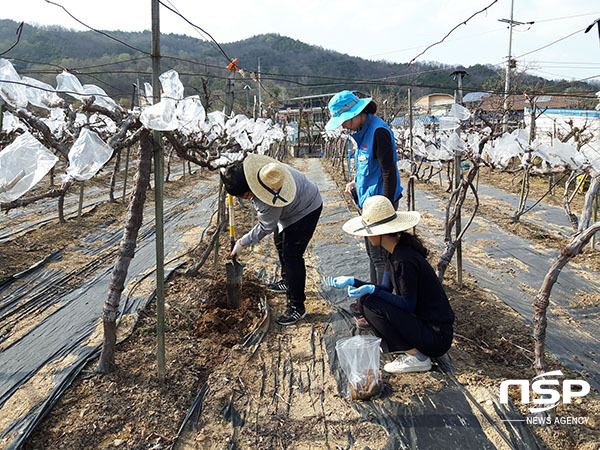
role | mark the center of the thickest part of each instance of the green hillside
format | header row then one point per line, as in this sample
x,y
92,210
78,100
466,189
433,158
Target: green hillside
x,y
290,67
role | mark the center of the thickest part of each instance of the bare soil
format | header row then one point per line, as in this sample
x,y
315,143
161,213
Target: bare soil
x,y
130,408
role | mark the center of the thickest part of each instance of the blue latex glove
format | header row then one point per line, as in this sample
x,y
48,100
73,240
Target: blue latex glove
x,y
339,282
360,291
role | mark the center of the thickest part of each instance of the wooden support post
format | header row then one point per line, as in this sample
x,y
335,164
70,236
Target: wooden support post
x,y
80,206
158,199
126,173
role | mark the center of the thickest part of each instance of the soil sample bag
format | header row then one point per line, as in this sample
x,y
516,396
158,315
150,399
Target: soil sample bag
x,y
359,359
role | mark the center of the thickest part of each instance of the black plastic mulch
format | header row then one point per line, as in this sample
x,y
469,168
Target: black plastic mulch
x,y
73,314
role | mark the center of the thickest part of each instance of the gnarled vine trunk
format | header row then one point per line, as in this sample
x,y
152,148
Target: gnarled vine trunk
x,y
126,254
542,299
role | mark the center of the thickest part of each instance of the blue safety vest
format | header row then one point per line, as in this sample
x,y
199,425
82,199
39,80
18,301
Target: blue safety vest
x,y
368,177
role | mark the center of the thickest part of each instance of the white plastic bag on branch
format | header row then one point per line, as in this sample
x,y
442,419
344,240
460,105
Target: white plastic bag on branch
x,y
507,147
172,87
404,165
459,112
215,119
56,122
226,159
87,156
238,124
242,139
449,123
22,165
191,114
70,85
45,97
11,91
160,117
10,122
569,155
547,155
453,143
100,97
102,123
592,153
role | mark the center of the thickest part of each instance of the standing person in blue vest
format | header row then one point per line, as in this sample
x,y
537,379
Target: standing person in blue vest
x,y
375,162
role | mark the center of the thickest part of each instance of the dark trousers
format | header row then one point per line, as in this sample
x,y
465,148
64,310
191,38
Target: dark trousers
x,y
291,243
377,259
401,330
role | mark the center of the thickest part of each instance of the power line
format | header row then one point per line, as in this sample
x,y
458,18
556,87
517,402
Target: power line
x,y
197,27
567,17
98,31
450,32
551,43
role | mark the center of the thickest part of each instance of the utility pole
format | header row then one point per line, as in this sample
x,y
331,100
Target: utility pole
x,y
247,89
458,75
158,199
413,164
259,92
229,95
510,63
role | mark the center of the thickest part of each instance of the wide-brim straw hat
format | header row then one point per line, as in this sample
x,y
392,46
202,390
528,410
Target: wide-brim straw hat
x,y
269,180
380,217
343,106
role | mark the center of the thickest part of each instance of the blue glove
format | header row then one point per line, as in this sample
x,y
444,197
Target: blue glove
x,y
339,282
360,291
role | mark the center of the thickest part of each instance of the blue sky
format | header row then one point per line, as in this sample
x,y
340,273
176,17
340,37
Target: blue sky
x,y
394,30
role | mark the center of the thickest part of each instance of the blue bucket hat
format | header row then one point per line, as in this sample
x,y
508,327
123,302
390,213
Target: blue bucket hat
x,y
343,106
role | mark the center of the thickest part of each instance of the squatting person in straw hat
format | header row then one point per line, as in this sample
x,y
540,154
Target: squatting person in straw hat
x,y
409,310
289,205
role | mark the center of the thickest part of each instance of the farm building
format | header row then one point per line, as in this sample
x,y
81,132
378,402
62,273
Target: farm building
x,y
434,104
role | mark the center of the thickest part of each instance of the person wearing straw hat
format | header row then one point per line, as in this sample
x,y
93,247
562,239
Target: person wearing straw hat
x,y
288,205
375,162
409,310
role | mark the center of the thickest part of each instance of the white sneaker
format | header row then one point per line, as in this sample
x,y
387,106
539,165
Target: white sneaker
x,y
406,363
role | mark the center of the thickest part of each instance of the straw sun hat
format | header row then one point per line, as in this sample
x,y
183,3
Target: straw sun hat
x,y
269,180
379,217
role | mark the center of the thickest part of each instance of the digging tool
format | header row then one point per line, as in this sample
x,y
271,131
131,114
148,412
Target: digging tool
x,y
234,269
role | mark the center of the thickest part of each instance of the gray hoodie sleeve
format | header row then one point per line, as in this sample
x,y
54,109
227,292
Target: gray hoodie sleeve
x,y
268,216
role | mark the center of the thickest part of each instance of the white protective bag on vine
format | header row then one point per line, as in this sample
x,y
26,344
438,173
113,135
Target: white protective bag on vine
x,y
22,165
12,91
87,156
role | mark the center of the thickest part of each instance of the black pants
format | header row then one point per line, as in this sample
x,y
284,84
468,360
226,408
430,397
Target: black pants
x,y
401,330
291,243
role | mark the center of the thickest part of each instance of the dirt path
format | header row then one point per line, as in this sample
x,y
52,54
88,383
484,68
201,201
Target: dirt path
x,y
291,392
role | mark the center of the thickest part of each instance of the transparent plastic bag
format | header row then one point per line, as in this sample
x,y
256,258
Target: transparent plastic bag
x,y
87,156
172,87
12,91
43,98
359,359
22,165
160,117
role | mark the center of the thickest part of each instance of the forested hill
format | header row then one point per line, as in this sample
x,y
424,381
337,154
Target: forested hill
x,y
290,67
